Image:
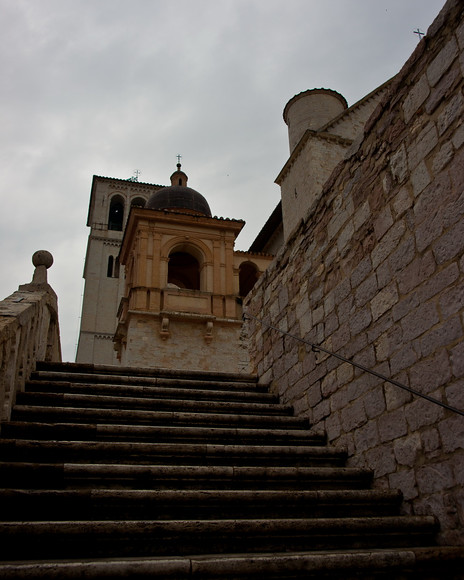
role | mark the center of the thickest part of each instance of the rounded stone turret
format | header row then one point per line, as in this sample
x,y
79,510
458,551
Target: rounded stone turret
x,y
311,109
179,197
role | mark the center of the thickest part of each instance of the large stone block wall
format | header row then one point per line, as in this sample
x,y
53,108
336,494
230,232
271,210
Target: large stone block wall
x,y
186,342
376,274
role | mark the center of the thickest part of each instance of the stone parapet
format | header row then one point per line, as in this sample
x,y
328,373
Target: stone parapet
x,y
29,332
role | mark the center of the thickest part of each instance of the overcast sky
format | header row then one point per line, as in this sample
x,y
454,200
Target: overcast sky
x,y
106,87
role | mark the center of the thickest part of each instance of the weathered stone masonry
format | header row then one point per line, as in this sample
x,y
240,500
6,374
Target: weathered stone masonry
x,y
29,332
376,273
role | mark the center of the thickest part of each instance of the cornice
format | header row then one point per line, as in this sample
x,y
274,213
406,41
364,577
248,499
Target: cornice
x,y
104,336
251,254
172,216
127,183
107,241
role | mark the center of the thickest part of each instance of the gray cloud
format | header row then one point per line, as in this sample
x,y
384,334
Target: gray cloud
x,y
107,86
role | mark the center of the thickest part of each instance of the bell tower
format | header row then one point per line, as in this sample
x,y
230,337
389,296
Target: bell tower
x,y
110,203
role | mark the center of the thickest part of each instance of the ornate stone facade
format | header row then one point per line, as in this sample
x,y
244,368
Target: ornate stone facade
x,y
196,325
184,283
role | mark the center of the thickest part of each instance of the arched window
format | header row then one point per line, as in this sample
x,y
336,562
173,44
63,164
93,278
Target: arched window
x,y
138,202
116,214
184,271
109,271
248,274
116,268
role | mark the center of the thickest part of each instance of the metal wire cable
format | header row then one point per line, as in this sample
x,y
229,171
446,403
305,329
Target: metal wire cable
x,y
357,365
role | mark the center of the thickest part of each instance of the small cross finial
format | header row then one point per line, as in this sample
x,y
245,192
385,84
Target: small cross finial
x,y
419,33
137,172
179,157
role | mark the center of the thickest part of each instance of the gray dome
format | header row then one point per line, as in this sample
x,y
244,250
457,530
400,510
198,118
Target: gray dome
x,y
179,197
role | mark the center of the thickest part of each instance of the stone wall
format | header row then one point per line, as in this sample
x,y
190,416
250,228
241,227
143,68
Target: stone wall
x,y
185,341
376,274
29,332
302,180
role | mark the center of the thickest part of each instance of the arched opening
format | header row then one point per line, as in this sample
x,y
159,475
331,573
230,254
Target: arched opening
x,y
116,214
248,274
109,270
184,271
138,202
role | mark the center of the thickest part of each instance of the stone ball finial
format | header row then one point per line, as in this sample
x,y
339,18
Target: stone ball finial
x,y
42,258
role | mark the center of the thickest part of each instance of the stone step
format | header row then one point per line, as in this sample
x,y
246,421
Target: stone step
x,y
191,475
141,417
166,391
218,384
160,434
389,563
183,453
91,539
72,369
54,504
150,403
394,564
26,475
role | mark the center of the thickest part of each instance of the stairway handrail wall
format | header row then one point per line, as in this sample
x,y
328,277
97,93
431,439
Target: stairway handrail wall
x,y
29,332
319,348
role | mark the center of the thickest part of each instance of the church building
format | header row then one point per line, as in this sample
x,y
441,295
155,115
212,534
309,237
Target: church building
x,y
164,284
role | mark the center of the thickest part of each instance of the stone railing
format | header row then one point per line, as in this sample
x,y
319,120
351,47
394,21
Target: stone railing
x,y
29,332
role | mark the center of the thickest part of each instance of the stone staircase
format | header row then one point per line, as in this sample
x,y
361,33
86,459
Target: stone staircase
x,y
173,475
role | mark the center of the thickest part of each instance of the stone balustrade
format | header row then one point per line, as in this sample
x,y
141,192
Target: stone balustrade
x,y
29,332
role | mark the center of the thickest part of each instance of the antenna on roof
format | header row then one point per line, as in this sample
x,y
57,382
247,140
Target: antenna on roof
x,y
419,33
